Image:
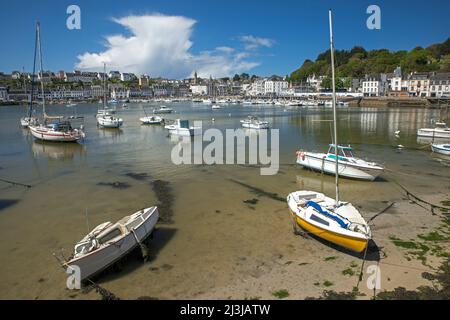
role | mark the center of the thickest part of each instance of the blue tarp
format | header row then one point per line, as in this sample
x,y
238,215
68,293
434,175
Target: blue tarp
x,y
317,207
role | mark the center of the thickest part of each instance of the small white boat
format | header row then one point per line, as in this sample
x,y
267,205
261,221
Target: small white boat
x,y
109,121
70,104
207,101
216,107
162,109
341,224
441,148
254,123
109,242
28,121
151,120
349,165
113,101
182,128
441,130
60,131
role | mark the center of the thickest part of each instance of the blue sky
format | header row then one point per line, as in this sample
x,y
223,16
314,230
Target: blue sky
x,y
216,36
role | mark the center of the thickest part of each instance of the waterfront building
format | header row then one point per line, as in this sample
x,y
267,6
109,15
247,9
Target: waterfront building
x,y
199,90
375,85
418,84
257,88
120,93
3,94
440,85
275,86
96,91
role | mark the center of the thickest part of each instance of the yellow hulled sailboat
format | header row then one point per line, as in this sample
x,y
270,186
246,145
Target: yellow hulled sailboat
x,y
330,219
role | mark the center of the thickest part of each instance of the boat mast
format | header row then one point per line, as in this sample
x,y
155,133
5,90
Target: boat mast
x,y
41,69
104,85
34,73
334,107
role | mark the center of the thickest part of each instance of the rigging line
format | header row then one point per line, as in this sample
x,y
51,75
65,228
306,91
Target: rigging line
x,y
381,212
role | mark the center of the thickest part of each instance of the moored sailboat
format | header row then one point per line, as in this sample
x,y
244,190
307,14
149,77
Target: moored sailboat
x,y
59,130
330,219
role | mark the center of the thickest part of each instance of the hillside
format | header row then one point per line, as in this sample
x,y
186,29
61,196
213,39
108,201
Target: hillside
x,y
358,62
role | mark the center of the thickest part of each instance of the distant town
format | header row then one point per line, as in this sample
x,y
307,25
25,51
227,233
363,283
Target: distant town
x,y
85,86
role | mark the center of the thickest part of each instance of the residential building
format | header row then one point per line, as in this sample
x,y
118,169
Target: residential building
x,y
127,77
3,94
418,84
144,81
199,90
275,86
257,88
375,85
114,75
315,82
440,85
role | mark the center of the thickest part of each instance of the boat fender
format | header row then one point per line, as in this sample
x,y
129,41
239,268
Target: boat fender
x,y
300,154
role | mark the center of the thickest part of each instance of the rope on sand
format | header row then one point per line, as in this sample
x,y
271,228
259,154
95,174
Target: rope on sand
x,y
16,183
412,197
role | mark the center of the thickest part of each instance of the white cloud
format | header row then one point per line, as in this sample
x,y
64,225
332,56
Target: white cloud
x,y
160,45
252,42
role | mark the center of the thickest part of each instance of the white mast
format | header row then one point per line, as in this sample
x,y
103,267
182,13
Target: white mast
x,y
38,26
104,85
334,108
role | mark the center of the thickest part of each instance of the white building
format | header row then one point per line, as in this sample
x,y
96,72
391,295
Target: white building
x,y
275,87
114,75
3,94
257,88
440,85
199,90
119,94
314,82
374,85
127,76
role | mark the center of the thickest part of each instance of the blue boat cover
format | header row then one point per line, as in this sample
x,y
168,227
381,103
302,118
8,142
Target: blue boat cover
x,y
317,207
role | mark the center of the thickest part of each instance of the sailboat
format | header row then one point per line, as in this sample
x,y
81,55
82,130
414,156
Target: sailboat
x,y
106,117
330,219
59,130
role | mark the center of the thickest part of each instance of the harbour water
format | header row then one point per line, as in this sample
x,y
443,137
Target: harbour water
x,y
221,221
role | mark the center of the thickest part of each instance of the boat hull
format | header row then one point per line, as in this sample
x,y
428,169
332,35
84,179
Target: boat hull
x,y
108,123
46,135
434,133
441,149
97,261
345,241
322,164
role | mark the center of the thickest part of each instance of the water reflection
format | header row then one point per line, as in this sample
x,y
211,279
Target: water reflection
x,y
57,150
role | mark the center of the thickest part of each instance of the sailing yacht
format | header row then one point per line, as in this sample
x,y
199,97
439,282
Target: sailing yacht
x,y
59,130
29,120
333,220
106,118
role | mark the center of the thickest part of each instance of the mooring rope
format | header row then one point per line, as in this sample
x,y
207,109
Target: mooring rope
x,y
415,198
16,183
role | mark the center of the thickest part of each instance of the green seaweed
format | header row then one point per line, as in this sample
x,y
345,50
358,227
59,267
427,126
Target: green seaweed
x,y
281,294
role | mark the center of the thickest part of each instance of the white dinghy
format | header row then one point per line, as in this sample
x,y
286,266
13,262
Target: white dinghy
x,y
182,128
254,123
151,120
441,148
109,242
